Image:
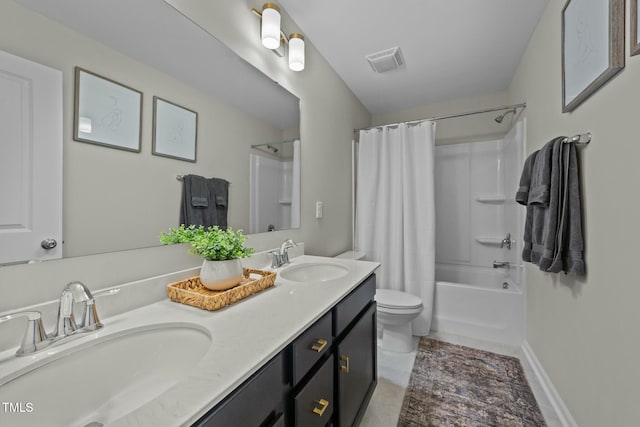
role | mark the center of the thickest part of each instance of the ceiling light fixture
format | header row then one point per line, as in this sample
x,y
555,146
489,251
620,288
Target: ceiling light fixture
x,y
270,32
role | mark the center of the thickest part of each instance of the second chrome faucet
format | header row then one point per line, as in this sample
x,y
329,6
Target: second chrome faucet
x,y
281,257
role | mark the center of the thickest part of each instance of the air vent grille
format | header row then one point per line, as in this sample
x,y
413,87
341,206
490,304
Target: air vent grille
x,y
386,60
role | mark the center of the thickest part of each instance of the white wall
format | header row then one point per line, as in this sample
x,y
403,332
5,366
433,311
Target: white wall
x,y
329,112
584,330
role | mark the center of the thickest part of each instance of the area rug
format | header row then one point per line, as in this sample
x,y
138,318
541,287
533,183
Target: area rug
x,y
453,385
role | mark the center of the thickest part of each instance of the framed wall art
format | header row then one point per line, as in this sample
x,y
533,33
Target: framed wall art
x,y
174,130
592,47
106,112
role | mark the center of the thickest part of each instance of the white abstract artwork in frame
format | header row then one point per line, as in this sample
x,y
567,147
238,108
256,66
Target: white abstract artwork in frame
x,y
106,112
174,130
592,47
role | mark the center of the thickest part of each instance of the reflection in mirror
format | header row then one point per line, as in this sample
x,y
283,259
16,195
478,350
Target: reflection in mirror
x,y
116,200
275,186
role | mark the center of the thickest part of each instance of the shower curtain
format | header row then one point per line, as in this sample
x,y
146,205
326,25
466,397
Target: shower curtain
x,y
395,215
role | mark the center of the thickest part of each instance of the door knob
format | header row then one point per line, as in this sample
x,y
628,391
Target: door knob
x,y
48,244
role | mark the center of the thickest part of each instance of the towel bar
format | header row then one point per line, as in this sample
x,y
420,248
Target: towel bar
x,y
582,139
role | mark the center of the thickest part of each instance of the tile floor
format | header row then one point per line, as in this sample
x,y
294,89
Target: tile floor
x,y
394,371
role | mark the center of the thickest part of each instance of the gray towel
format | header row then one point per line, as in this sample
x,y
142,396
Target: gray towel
x,y
539,187
220,194
553,230
522,195
201,198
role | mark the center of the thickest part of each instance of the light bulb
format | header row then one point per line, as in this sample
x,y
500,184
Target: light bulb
x,y
296,52
270,32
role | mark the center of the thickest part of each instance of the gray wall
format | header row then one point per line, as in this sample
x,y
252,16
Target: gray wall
x,y
584,331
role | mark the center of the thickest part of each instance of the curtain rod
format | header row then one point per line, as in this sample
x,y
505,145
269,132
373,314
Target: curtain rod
x,y
451,116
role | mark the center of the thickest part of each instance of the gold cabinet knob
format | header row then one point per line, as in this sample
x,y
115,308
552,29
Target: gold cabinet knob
x,y
319,345
324,404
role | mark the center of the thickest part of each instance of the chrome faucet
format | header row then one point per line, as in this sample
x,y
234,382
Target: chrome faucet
x,y
501,264
506,242
36,339
281,257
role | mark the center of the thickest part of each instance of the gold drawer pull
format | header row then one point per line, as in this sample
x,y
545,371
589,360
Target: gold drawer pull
x,y
319,345
345,368
324,404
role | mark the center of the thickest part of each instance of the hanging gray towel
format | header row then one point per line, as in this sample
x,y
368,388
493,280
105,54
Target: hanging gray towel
x,y
522,196
200,202
220,195
553,228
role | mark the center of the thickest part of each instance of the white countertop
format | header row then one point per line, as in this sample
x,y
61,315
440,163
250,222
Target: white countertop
x,y
244,337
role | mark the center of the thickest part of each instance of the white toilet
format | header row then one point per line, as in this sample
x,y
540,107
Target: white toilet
x,y
396,310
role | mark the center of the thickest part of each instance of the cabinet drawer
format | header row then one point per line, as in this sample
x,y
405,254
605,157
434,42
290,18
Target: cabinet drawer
x,y
347,310
258,399
309,347
313,405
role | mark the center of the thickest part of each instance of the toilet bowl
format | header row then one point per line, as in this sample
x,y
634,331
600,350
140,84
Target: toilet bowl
x,y
395,312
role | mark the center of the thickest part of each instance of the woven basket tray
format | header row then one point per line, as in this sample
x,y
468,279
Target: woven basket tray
x,y
192,292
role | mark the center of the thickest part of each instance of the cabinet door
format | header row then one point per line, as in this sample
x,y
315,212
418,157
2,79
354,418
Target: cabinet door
x,y
313,405
357,371
258,402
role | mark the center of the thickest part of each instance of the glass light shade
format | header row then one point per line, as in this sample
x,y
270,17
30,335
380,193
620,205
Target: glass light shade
x,y
296,52
270,32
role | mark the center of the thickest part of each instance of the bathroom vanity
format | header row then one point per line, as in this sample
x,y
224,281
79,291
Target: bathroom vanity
x,y
302,353
326,375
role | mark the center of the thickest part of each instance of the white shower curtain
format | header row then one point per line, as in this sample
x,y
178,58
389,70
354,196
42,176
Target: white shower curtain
x,y
395,215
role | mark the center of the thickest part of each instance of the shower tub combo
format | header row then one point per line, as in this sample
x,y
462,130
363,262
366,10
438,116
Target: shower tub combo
x,y
482,303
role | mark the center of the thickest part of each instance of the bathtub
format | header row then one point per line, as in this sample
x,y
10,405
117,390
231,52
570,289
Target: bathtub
x,y
477,302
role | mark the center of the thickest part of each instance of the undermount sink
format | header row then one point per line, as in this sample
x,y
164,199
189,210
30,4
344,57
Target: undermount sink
x,y
314,272
98,382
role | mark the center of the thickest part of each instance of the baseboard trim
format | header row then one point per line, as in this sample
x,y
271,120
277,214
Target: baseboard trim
x,y
562,412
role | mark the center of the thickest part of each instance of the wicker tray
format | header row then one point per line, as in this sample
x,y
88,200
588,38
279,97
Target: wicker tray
x,y
192,292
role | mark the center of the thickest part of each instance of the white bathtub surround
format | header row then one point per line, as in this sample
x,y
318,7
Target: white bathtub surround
x,y
475,212
395,216
244,336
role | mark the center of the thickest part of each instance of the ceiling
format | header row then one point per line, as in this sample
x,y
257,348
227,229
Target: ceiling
x,y
452,49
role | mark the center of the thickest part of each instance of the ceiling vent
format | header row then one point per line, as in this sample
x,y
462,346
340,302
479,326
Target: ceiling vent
x,y
386,60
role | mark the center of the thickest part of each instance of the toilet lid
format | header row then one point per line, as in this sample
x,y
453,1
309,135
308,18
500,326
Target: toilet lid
x,y
395,299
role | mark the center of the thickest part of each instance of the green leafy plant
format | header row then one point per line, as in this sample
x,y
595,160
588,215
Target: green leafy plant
x,y
212,243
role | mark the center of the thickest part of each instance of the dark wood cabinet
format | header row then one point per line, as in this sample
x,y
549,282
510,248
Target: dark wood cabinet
x,y
357,370
325,377
313,404
260,401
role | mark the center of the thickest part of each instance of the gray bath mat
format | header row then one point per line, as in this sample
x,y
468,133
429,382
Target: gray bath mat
x,y
453,385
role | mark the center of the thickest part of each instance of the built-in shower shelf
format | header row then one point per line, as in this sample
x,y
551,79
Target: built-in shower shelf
x,y
491,198
493,241
284,201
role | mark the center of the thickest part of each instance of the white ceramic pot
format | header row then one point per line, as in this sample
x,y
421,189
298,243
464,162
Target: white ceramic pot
x,y
221,275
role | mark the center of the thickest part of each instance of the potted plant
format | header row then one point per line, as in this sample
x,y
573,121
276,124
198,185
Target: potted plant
x,y
221,250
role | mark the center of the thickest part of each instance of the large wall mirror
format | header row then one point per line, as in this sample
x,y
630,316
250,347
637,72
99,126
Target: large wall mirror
x,y
118,200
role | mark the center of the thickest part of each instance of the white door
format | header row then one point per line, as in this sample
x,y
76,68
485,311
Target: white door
x,y
30,160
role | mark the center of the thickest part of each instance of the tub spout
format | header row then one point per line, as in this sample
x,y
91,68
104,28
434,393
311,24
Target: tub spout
x,y
501,264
